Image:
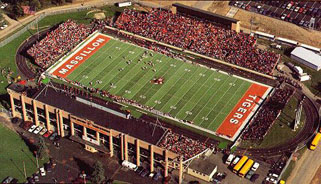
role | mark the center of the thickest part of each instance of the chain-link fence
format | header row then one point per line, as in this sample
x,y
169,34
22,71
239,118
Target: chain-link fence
x,y
39,18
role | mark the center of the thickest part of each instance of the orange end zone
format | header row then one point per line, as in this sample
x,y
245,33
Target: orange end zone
x,y
242,110
81,56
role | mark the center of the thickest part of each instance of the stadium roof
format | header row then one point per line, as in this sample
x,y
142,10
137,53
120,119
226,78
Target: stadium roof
x,y
206,12
307,55
203,165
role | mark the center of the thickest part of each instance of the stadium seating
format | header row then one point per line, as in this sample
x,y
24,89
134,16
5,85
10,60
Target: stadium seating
x,y
58,42
199,36
183,145
267,115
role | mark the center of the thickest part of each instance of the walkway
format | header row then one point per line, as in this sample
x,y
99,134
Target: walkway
x,y
15,25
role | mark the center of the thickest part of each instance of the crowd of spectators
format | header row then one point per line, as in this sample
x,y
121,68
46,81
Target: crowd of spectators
x,y
267,114
200,36
182,145
58,42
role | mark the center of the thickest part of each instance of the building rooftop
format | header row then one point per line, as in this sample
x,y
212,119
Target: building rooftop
x,y
206,12
203,165
307,55
134,127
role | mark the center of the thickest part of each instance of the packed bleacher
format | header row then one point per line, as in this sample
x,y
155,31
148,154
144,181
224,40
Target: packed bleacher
x,y
200,36
182,145
58,42
267,115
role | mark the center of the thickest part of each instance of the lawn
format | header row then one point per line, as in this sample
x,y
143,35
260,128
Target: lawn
x,y
8,52
189,92
13,153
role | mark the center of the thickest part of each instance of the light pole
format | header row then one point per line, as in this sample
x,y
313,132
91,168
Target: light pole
x,y
37,159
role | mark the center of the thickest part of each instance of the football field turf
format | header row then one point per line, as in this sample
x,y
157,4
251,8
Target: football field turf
x,y
189,92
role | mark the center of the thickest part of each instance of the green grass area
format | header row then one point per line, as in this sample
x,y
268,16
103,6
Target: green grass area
x,y
13,153
8,52
7,59
314,84
190,93
282,130
288,171
80,16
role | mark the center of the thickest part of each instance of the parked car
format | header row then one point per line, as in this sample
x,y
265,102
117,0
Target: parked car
x,y
157,176
35,177
229,159
144,173
53,136
30,180
249,174
271,180
48,167
255,166
235,161
47,134
139,170
26,125
37,130
7,179
254,177
42,171
43,131
32,128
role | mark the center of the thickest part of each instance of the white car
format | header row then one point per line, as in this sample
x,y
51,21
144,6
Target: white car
x,y
43,131
235,161
271,180
42,171
32,128
37,130
229,159
255,166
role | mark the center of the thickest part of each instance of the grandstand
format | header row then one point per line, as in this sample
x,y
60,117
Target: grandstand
x,y
202,98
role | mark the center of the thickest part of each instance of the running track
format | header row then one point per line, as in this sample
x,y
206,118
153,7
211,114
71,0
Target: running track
x,y
312,121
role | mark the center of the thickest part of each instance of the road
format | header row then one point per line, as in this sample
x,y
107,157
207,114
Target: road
x,y
306,167
15,25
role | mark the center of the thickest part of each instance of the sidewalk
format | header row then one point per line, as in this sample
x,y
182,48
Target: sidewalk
x,y
18,24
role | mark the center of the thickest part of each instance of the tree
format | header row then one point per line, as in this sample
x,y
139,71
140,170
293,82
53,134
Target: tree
x,y
35,3
98,175
17,10
41,148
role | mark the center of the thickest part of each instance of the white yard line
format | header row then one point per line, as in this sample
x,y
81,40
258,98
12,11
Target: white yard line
x,y
219,101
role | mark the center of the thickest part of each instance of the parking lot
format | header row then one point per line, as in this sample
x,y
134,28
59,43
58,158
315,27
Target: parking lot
x,y
296,12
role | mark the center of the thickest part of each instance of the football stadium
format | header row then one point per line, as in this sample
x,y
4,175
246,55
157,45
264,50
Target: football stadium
x,y
162,89
203,98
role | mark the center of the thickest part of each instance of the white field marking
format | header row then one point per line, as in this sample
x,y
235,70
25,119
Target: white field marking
x,y
131,68
65,58
169,87
186,91
89,66
132,76
102,70
145,83
227,103
210,96
208,88
205,105
182,85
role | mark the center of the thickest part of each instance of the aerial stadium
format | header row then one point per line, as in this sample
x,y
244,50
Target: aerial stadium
x,y
200,97
169,86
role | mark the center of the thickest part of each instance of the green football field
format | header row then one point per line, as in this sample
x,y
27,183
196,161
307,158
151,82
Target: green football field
x,y
189,92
